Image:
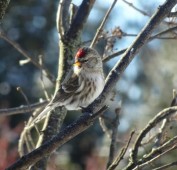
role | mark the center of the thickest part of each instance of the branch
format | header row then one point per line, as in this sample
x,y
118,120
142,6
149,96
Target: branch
x,y
121,154
172,14
156,36
79,20
137,9
62,19
30,58
99,30
22,109
158,118
141,11
62,137
157,153
111,56
163,32
129,54
166,166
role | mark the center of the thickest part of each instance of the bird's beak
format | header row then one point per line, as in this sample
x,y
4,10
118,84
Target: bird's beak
x,y
77,63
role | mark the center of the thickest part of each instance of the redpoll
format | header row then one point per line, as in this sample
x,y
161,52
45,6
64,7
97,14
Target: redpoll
x,y
82,85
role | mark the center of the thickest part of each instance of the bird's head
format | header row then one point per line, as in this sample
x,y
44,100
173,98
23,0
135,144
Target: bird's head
x,y
88,59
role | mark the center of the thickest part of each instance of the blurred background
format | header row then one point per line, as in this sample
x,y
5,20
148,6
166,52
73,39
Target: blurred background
x,y
144,89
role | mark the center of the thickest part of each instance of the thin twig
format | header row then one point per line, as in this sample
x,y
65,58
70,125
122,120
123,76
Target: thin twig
x,y
137,9
174,101
164,123
164,32
166,166
102,24
22,51
156,154
120,156
159,135
158,118
25,97
42,80
156,36
145,13
115,54
22,109
173,14
104,128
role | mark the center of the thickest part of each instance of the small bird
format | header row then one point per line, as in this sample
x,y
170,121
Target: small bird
x,y
83,84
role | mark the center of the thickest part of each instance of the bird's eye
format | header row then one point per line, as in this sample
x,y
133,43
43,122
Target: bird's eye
x,y
84,61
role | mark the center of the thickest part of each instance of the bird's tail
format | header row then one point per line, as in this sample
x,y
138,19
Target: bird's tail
x,y
51,106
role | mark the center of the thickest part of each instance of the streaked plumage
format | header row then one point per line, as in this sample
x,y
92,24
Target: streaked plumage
x,y
82,85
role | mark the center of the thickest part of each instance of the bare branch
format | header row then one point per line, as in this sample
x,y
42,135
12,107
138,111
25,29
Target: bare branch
x,y
99,30
164,32
62,137
137,9
22,109
79,20
166,166
22,51
41,76
172,14
63,17
156,36
157,153
129,54
72,10
121,154
158,118
111,56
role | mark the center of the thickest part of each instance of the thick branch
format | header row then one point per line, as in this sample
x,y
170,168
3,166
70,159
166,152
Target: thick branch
x,y
62,137
129,54
62,19
79,20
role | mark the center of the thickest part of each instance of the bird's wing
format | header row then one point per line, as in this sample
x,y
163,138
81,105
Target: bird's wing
x,y
68,87
70,84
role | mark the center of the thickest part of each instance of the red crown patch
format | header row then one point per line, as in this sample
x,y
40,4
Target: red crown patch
x,y
80,53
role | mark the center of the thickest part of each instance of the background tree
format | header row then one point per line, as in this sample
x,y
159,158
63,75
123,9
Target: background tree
x,y
145,87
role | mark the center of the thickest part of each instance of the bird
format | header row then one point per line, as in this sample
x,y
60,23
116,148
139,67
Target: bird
x,y
82,85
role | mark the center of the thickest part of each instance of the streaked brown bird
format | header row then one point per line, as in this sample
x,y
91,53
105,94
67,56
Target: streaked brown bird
x,y
82,85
